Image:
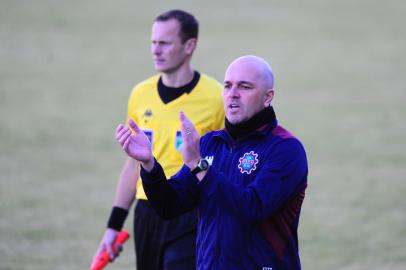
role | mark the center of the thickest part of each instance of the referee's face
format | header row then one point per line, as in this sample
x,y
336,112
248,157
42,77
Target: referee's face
x,y
168,51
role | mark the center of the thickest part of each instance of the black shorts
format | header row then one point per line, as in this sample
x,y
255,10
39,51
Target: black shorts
x,y
164,244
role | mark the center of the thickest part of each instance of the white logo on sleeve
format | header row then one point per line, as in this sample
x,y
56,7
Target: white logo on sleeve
x,y
266,268
209,159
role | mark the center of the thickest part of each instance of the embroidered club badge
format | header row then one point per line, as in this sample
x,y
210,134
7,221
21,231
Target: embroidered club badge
x,y
248,162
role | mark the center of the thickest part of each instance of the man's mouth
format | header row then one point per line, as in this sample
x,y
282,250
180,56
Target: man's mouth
x,y
233,107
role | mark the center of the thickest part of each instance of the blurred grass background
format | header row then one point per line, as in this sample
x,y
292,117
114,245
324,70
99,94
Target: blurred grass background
x,y
67,68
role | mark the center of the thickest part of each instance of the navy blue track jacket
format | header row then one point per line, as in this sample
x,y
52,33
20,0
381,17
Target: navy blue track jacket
x,y
249,200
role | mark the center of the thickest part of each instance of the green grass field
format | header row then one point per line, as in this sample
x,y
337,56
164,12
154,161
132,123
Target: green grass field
x,y
66,70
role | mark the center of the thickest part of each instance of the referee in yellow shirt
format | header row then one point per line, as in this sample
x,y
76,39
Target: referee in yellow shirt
x,y
155,104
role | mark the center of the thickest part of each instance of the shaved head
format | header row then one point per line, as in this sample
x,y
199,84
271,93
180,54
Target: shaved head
x,y
248,88
262,69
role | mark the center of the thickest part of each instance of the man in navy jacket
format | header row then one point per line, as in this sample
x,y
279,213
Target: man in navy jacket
x,y
248,180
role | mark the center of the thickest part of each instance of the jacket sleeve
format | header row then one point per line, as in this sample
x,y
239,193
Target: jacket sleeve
x,y
282,176
173,197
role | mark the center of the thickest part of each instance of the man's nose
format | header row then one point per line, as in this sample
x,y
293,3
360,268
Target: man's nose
x,y
155,49
233,92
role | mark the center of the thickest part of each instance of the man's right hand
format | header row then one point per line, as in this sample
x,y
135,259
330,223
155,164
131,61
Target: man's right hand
x,y
107,244
135,145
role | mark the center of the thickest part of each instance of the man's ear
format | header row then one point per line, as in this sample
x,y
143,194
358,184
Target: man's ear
x,y
269,97
190,45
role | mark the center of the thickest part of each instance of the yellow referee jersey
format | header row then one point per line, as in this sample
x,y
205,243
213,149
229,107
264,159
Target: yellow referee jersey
x,y
160,121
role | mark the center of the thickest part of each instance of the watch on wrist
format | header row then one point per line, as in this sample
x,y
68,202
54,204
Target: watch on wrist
x,y
202,165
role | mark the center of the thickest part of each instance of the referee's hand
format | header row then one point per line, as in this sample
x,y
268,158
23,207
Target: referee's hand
x,y
107,244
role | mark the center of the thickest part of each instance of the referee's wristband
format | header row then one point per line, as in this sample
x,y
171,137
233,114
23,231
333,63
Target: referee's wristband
x,y
117,218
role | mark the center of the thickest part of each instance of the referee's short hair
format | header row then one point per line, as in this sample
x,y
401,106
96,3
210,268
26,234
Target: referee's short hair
x,y
189,26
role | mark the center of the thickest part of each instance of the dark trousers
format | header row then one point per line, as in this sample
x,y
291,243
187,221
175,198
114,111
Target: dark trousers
x,y
164,244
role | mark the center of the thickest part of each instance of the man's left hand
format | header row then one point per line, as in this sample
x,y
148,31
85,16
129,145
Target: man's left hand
x,y
190,142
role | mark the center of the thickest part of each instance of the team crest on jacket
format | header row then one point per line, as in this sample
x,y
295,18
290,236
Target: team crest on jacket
x,y
248,162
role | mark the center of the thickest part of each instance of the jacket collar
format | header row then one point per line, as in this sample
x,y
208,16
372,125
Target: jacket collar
x,y
260,124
